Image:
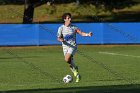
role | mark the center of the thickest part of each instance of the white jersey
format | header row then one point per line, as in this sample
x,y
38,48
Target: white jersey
x,y
68,34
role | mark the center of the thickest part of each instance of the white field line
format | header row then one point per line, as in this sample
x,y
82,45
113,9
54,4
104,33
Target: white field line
x,y
109,53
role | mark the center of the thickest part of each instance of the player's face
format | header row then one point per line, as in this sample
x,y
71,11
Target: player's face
x,y
68,19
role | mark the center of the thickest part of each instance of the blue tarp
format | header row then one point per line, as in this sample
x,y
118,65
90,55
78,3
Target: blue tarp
x,y
45,34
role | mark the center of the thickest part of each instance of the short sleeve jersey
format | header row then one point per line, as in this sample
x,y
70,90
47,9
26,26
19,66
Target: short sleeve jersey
x,y
68,33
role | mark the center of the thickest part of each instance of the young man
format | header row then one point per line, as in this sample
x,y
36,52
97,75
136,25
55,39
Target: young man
x,y
67,35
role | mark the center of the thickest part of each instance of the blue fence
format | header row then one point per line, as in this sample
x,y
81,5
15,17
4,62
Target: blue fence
x,y
45,34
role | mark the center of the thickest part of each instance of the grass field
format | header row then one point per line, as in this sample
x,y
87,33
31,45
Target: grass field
x,y
104,69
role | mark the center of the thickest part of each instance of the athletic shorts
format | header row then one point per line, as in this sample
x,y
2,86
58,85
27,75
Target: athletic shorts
x,y
69,50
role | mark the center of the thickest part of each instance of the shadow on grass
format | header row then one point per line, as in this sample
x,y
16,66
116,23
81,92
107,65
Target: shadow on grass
x,y
127,16
123,16
90,89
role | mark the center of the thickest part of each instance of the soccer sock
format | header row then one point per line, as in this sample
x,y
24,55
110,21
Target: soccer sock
x,y
73,64
71,67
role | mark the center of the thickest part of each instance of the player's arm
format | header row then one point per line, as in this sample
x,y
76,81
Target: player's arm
x,y
83,33
59,35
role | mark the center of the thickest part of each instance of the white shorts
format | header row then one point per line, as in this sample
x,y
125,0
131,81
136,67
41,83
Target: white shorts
x,y
69,50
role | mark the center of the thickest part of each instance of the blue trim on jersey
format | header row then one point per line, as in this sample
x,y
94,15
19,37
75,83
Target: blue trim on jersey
x,y
68,37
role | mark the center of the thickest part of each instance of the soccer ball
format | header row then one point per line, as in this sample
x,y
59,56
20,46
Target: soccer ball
x,y
67,79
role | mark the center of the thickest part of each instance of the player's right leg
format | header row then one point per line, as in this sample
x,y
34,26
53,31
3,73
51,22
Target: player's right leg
x,y
68,53
68,59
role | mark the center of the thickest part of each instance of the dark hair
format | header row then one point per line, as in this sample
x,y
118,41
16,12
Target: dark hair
x,y
65,15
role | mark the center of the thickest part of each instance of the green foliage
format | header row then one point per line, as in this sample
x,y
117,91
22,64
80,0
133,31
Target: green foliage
x,y
2,2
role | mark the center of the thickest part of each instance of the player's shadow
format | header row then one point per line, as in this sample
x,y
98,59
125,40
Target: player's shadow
x,y
90,89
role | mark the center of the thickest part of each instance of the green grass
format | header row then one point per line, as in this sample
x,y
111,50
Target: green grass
x,y
11,13
42,69
84,12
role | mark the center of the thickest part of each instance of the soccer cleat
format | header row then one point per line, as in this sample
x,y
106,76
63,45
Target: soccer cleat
x,y
78,78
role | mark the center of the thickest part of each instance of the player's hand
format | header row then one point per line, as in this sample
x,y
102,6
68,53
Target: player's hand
x,y
90,34
60,39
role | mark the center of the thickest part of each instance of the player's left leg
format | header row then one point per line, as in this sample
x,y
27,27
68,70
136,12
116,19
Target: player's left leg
x,y
76,73
75,68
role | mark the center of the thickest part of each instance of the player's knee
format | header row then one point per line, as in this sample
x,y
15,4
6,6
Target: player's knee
x,y
67,60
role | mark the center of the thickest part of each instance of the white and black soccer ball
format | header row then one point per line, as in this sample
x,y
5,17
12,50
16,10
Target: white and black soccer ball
x,y
67,79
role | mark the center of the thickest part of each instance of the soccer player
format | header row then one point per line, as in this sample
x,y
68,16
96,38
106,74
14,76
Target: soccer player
x,y
67,35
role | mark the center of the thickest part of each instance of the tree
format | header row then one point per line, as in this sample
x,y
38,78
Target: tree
x,y
29,11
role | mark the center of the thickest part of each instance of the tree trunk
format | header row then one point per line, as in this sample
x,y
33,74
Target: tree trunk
x,y
28,12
